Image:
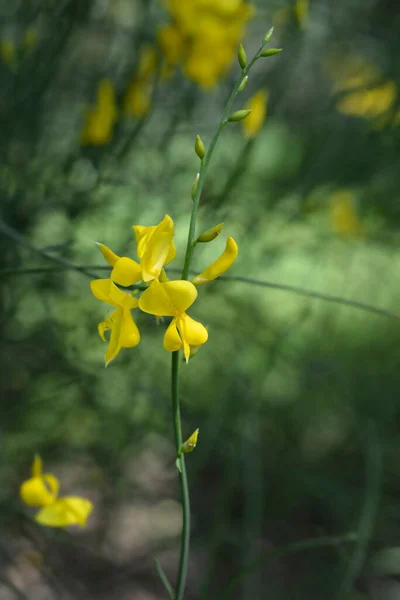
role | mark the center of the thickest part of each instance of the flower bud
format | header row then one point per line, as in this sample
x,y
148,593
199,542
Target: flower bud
x,y
239,115
268,35
199,148
270,52
243,84
190,443
210,234
242,58
194,185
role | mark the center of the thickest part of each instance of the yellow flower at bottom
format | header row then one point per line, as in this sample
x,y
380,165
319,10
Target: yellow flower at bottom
x,y
343,215
258,105
42,490
172,299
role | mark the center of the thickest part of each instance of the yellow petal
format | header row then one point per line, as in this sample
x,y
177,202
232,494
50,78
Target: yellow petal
x,y
141,235
39,491
192,333
108,254
172,339
158,249
130,335
70,510
126,272
107,291
167,299
254,122
221,265
115,322
37,466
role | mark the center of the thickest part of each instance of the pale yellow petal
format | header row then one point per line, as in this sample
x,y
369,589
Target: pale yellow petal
x,y
167,299
129,336
157,250
66,511
172,339
221,265
126,272
108,254
35,492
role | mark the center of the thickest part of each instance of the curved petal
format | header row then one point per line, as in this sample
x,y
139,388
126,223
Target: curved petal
x,y
115,324
107,291
35,492
107,324
171,254
172,339
126,272
221,265
108,254
192,333
142,233
167,299
158,249
70,510
130,335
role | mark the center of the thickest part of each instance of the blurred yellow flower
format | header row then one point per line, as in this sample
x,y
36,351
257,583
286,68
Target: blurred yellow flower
x,y
99,123
124,332
203,37
137,99
8,52
222,264
172,299
30,38
369,103
258,105
343,215
41,490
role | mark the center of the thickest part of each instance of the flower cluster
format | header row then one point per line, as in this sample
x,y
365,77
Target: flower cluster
x,y
41,490
161,297
203,37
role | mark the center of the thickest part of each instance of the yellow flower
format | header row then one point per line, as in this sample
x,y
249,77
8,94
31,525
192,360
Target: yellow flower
x,y
258,105
137,98
8,52
41,490
221,265
369,103
124,332
100,120
172,299
301,11
343,216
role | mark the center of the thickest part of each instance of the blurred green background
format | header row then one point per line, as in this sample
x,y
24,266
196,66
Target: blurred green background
x,y
296,396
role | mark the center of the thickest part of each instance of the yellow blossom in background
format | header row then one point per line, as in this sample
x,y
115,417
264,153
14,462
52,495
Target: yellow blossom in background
x,y
137,99
41,490
172,299
258,105
297,13
301,12
99,123
343,215
30,38
203,37
222,264
8,52
124,332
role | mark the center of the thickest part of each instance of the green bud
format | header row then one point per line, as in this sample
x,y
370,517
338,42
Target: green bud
x,y
199,148
268,35
239,115
270,52
190,443
242,58
243,84
194,185
210,234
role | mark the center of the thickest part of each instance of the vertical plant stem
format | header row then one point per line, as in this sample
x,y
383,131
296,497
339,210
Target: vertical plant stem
x,y
184,488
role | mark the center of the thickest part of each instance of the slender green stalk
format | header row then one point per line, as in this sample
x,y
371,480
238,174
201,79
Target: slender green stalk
x,y
164,579
185,540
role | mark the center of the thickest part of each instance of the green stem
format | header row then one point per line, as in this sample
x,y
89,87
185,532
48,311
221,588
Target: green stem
x,y
184,488
164,579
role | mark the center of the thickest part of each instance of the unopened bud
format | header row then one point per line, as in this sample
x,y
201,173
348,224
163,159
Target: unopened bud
x,y
190,443
239,115
242,58
199,148
243,83
194,185
270,52
210,234
268,35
